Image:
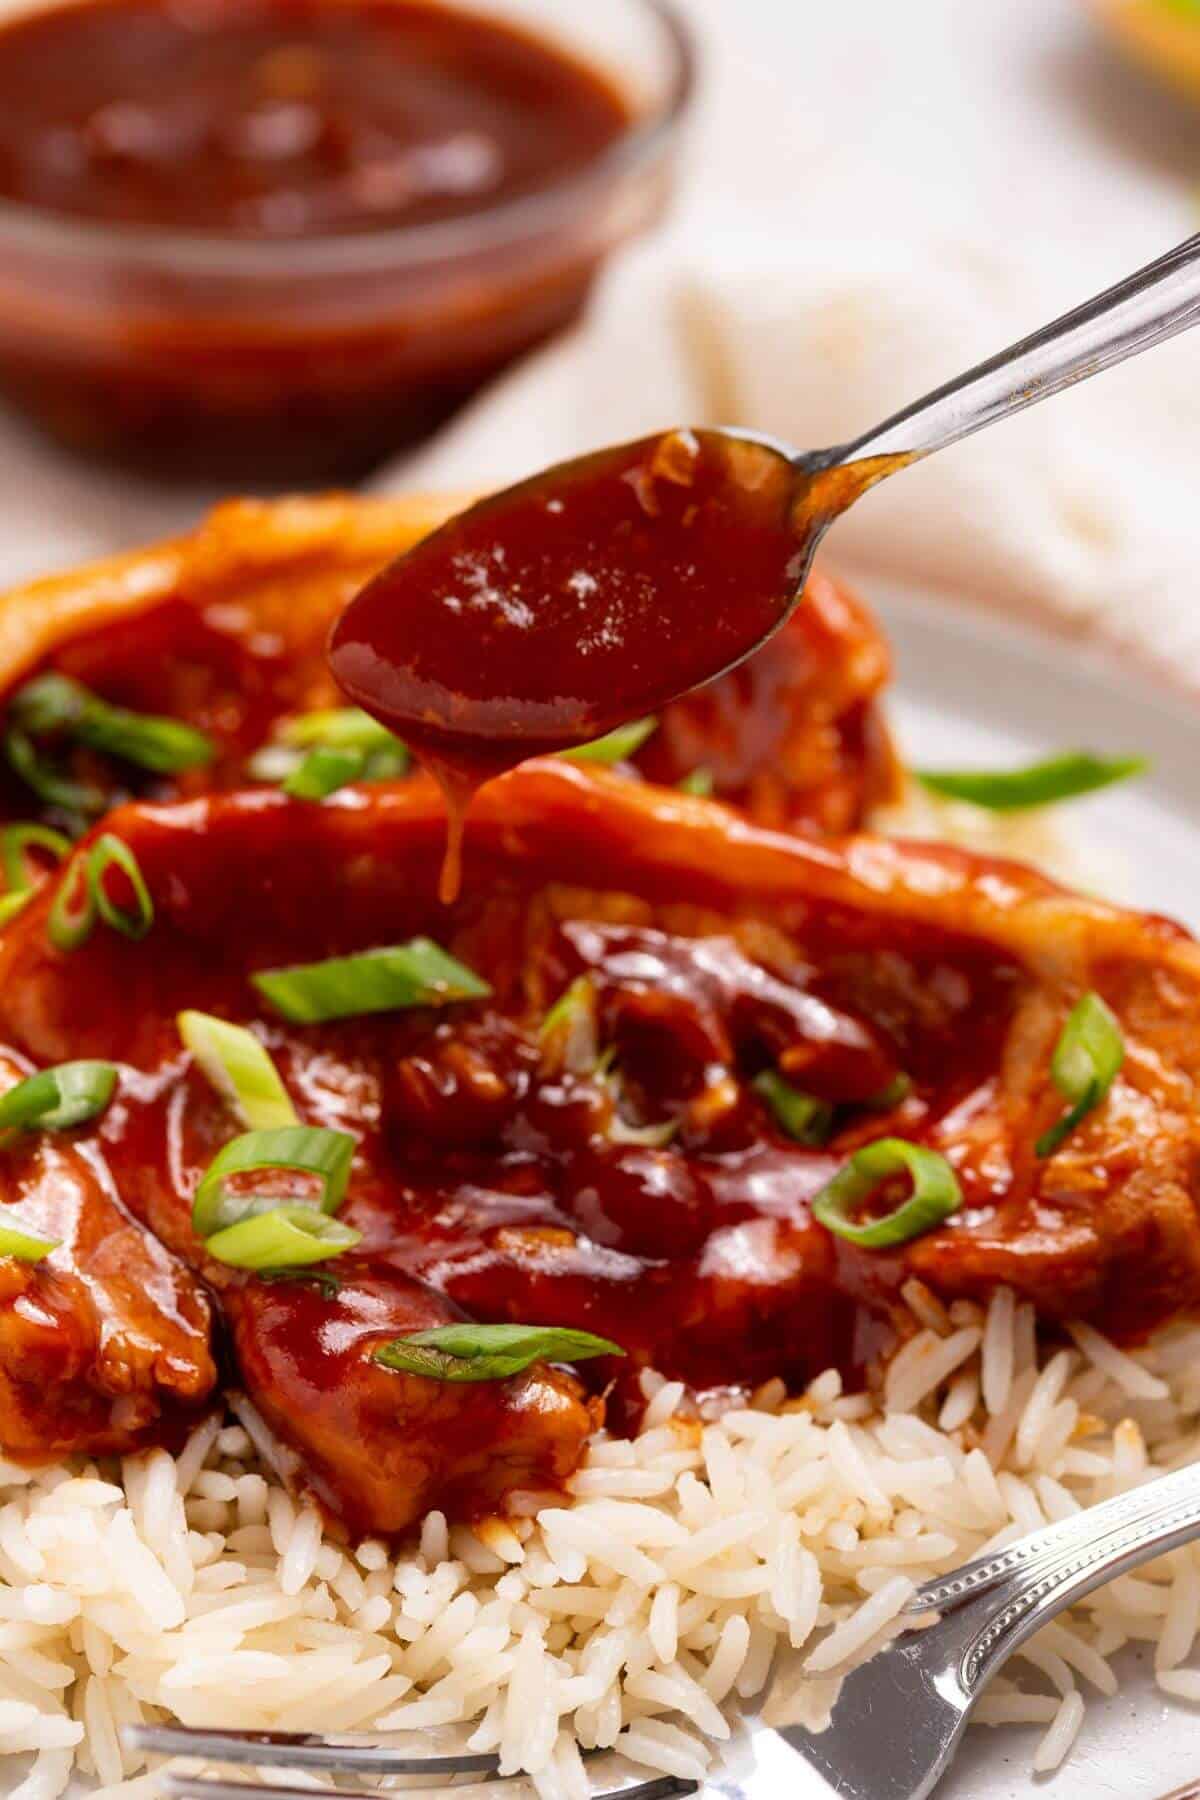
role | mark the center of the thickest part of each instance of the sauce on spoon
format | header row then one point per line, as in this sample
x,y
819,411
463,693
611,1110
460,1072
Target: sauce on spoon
x,y
590,595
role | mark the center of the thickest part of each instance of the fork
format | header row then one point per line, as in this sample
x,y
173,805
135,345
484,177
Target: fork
x,y
899,1717
337,1752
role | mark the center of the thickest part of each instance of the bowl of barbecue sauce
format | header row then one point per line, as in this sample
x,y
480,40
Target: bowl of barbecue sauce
x,y
275,240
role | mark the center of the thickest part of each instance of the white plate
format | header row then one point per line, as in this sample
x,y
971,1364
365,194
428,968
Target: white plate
x,y
977,691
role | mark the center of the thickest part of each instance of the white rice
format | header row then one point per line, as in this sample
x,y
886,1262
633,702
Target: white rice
x,y
780,1539
636,1614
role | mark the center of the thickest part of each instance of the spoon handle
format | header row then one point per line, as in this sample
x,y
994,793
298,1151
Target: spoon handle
x,y
1144,309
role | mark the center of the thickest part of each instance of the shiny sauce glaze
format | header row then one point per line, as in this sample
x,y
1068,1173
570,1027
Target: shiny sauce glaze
x,y
636,1186
287,118
794,735
584,598
626,1176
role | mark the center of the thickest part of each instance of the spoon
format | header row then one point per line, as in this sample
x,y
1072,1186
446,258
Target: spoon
x,y
601,589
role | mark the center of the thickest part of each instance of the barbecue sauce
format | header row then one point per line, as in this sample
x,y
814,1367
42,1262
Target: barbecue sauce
x,y
588,596
550,614
287,118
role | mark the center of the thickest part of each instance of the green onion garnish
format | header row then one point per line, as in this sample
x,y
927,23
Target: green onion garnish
x,y
47,782
419,973
15,840
568,1034
109,852
73,913
305,1149
55,704
325,1281
22,1241
58,1099
319,752
1040,784
286,1237
1089,1052
314,774
323,771
802,1116
339,728
488,1352
12,904
274,762
649,1137
617,747
240,1069
935,1194
700,781
83,896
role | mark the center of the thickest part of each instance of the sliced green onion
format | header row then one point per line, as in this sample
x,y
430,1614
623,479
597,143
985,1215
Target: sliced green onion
x,y
306,1149
240,1069
12,904
617,747
73,914
46,781
419,973
802,1116
49,703
935,1194
286,1237
649,1137
15,840
700,781
488,1352
58,1099
83,896
109,852
274,762
57,704
1086,1059
568,1033
897,1089
655,1136
319,752
388,763
338,728
323,771
21,1240
1040,784
324,1280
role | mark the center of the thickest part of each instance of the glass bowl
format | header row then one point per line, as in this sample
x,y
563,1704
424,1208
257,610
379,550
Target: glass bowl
x,y
299,360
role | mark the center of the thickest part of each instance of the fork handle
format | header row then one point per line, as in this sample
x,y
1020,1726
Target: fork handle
x,y
1144,309
1007,1597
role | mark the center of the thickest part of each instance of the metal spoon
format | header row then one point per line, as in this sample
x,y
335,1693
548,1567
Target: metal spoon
x,y
598,591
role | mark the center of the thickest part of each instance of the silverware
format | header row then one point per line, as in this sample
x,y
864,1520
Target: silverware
x,y
899,1718
744,512
337,1753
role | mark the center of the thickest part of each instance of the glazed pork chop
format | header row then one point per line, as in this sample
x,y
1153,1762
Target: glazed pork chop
x,y
225,633
588,1131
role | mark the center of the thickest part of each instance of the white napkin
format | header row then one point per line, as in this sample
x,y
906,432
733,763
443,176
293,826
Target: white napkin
x,y
1083,511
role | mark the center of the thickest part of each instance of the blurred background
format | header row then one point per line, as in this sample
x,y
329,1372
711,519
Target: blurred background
x,y
846,206
1002,124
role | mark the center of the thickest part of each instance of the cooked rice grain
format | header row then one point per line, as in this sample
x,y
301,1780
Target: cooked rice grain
x,y
686,1563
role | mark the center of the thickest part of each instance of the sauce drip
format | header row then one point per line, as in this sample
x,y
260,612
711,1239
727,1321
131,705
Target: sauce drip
x,y
591,595
554,612
287,118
